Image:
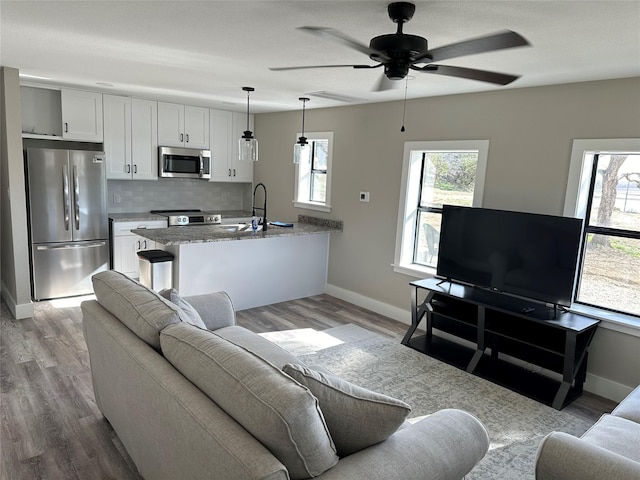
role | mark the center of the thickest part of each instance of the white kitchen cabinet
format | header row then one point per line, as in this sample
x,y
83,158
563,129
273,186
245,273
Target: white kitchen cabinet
x,y
183,126
81,115
226,130
130,138
117,136
126,245
196,127
221,149
144,139
61,114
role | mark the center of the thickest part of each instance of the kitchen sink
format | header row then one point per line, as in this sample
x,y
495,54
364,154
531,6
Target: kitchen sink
x,y
238,227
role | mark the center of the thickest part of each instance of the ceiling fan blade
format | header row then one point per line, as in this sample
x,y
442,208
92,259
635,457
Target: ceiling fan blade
x,y
470,73
304,67
336,35
489,43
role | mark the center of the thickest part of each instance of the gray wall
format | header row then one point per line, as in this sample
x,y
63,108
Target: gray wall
x,y
16,287
530,130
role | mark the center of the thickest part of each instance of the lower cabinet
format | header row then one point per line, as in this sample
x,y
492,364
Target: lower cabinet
x,y
126,245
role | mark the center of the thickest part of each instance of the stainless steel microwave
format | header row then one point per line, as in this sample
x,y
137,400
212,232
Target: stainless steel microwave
x,y
174,162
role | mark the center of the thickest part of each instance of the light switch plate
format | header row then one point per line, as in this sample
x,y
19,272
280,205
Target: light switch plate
x,y
364,196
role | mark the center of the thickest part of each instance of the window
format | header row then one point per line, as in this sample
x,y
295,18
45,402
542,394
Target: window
x,y
604,190
434,174
313,179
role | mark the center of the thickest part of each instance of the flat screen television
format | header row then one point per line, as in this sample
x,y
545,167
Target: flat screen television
x,y
523,254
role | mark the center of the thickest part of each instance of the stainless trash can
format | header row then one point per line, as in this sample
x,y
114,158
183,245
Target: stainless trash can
x,y
156,269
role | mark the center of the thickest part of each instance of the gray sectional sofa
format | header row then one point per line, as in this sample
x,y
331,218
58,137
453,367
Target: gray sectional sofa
x,y
609,450
192,395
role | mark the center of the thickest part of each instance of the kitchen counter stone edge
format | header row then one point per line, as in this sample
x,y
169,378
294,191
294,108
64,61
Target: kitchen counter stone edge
x,y
217,233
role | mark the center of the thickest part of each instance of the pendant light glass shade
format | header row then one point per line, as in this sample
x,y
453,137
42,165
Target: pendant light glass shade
x,y
248,144
248,148
301,149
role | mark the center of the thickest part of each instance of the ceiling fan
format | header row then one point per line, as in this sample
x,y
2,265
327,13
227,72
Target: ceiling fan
x,y
400,52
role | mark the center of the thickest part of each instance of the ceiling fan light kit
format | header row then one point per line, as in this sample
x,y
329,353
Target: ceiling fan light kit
x,y
248,144
400,52
301,149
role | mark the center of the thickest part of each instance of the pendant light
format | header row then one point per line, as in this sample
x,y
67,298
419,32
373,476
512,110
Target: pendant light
x,y
301,149
248,144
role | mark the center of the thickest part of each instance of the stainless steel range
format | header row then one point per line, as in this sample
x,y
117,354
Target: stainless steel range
x,y
183,218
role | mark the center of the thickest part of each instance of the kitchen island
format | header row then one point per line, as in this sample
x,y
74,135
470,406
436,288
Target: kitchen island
x,y
255,269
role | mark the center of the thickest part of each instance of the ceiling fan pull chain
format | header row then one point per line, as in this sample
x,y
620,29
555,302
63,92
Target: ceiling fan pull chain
x,y
404,106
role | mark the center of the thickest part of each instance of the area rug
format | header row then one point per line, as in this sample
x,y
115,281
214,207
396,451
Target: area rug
x,y
516,424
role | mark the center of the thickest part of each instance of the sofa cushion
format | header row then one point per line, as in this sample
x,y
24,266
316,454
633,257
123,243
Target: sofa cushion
x,y
274,408
257,345
615,434
190,314
142,310
629,408
357,418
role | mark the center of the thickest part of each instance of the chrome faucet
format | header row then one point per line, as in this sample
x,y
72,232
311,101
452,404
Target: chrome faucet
x,y
264,207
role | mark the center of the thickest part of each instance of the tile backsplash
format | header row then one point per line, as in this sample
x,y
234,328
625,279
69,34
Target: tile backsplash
x,y
177,193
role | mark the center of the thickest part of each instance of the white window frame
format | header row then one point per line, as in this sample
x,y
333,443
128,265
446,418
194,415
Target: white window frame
x,y
302,190
575,205
410,195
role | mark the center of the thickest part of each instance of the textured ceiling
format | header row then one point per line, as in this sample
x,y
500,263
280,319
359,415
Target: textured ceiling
x,y
204,52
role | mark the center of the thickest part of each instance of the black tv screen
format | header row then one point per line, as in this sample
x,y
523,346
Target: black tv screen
x,y
524,254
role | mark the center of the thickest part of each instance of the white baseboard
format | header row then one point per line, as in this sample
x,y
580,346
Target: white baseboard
x,y
597,385
24,310
377,306
606,388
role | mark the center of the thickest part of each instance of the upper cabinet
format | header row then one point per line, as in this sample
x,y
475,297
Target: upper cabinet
x,y
183,126
61,114
144,139
130,138
81,115
226,130
117,136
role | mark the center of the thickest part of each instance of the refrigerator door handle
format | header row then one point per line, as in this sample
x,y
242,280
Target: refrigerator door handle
x,y
65,195
76,198
71,246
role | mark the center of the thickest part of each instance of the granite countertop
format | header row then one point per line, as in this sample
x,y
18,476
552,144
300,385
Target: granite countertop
x,y
146,216
222,233
135,217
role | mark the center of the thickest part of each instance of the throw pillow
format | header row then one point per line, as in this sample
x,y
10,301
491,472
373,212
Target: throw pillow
x,y
190,314
357,418
142,310
279,412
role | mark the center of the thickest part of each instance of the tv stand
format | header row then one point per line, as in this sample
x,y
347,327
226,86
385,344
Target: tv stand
x,y
503,336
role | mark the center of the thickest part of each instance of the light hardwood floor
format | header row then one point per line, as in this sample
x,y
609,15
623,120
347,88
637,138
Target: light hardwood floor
x,y
50,425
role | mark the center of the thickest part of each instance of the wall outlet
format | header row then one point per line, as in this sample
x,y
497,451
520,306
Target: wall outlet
x,y
364,196
117,198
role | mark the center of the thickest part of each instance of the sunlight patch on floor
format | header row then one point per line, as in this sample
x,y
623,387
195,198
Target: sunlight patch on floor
x,y
302,340
71,301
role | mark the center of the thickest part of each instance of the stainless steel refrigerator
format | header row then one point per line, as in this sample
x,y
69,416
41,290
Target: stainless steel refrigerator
x,y
68,224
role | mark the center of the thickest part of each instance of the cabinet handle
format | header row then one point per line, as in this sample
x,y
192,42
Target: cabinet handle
x,y
187,138
128,168
135,168
181,137
145,244
66,127
138,245
234,172
229,172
